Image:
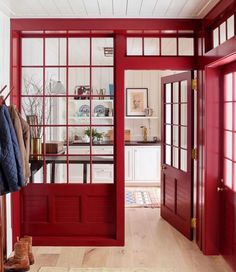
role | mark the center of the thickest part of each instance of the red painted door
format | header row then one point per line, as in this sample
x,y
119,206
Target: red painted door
x,y
177,131
227,183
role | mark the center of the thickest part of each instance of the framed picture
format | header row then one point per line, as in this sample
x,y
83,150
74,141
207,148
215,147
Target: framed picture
x,y
136,101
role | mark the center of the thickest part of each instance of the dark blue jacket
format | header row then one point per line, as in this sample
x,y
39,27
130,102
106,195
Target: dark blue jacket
x,y
11,172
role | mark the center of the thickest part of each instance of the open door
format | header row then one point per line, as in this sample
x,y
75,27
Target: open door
x,y
177,141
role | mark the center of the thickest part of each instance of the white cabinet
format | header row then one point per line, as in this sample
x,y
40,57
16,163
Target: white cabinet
x,y
142,164
128,163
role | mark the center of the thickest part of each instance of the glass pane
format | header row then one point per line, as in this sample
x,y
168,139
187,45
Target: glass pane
x,y
215,37
54,134
168,92
168,155
99,148
33,106
228,145
79,79
230,27
184,114
55,51
168,113
151,46
76,171
32,51
228,171
79,111
32,81
228,91
134,46
175,157
186,47
176,135
57,172
55,111
101,135
55,81
102,111
79,51
183,141
168,46
176,92
234,148
222,33
234,180
228,122
184,91
102,173
183,160
102,51
168,134
176,114
102,78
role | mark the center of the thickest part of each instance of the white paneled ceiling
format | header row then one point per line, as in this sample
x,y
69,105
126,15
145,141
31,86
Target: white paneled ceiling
x,y
107,8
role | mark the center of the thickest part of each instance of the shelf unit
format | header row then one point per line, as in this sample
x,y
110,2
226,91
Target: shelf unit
x,y
141,117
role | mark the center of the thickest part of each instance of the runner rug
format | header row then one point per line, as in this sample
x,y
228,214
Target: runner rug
x,y
147,198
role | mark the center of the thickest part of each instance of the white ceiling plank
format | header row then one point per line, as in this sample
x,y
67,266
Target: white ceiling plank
x,y
120,7
63,6
147,8
175,8
133,7
190,9
202,11
92,7
161,8
106,7
52,9
78,7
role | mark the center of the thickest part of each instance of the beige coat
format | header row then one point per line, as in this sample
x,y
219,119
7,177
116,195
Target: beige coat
x,y
23,136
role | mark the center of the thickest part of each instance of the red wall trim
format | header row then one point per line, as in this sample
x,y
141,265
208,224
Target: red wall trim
x,y
103,24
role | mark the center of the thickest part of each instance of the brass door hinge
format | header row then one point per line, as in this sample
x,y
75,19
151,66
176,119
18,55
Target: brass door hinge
x,y
194,84
194,153
194,223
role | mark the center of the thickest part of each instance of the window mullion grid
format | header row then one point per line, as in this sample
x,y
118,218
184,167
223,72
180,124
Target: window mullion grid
x,y
67,111
90,108
43,117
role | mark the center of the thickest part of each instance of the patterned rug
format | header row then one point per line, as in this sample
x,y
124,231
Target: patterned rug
x,y
100,269
146,198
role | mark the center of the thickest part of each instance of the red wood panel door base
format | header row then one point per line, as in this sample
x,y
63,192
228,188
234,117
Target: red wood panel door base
x,y
177,124
69,214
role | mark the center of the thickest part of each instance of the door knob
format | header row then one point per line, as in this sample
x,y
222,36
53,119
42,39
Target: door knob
x,y
163,167
220,189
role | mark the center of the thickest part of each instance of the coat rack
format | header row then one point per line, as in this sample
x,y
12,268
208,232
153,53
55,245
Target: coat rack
x,y
3,241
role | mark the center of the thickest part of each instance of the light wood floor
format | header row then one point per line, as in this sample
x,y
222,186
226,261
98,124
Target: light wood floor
x,y
151,243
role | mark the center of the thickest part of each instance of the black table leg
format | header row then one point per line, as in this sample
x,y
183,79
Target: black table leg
x,y
84,172
53,172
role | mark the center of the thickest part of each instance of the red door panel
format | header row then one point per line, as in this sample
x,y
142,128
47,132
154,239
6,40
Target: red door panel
x,y
227,183
68,213
177,124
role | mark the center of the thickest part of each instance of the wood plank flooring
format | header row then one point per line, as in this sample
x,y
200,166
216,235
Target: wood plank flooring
x,y
151,245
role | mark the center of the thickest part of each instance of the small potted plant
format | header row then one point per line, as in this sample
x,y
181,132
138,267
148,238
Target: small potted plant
x,y
95,134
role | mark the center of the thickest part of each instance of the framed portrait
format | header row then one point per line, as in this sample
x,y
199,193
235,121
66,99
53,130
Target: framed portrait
x,y
136,101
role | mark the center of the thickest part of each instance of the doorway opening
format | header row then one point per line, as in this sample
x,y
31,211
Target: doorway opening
x,y
143,166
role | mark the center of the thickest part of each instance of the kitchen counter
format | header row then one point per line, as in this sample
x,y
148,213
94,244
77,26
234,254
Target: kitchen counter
x,y
110,143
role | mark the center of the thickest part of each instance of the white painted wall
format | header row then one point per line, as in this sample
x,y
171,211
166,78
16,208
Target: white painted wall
x,y
145,79
4,80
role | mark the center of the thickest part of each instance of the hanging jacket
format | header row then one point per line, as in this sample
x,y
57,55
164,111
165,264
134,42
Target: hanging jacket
x,y
23,137
11,172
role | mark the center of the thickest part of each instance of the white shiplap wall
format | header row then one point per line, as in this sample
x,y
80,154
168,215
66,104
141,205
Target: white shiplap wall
x,y
4,80
150,80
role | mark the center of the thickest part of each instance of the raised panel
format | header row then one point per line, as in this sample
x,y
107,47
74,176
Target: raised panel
x,y
35,209
169,193
99,209
67,209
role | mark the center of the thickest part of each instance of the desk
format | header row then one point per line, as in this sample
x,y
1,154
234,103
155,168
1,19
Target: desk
x,y
36,164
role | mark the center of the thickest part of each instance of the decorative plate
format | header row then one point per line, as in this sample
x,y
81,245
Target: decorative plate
x,y
99,109
84,109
